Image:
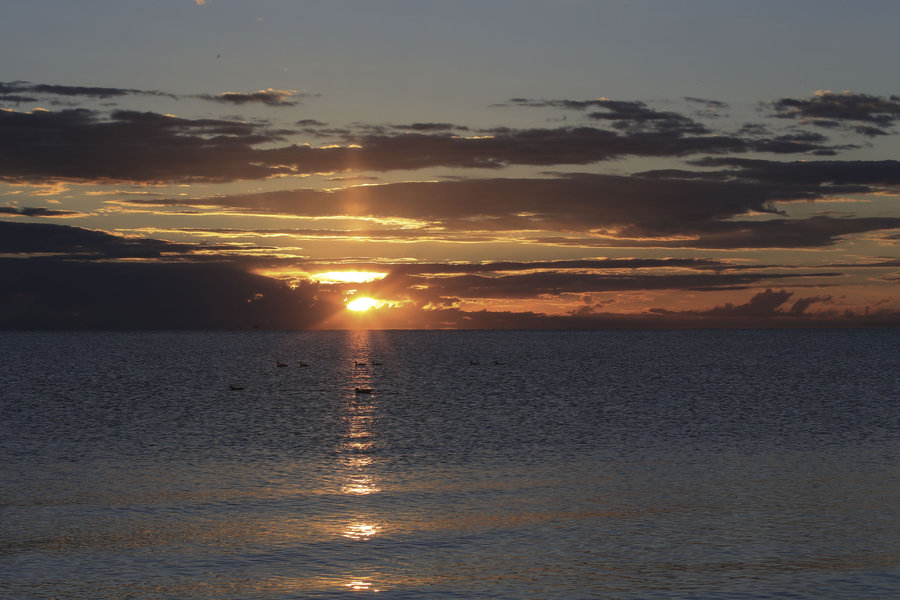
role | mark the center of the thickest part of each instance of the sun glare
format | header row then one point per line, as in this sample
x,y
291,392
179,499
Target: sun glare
x,y
362,304
348,276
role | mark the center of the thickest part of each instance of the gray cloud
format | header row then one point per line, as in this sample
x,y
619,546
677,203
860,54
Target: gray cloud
x,y
802,304
269,97
17,87
813,232
52,293
623,210
763,305
637,116
716,104
833,110
430,127
79,144
41,238
831,172
553,283
37,212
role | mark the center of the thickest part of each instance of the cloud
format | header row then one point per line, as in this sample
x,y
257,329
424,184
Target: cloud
x,y
16,99
558,265
713,104
551,283
11,92
564,104
729,191
577,201
637,116
66,294
40,238
640,120
80,145
37,212
430,127
827,109
61,277
769,307
764,304
67,277
821,172
802,304
604,103
456,318
28,239
9,89
132,146
269,97
502,146
604,210
631,116
812,232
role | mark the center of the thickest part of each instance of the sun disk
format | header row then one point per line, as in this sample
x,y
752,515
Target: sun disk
x,y
362,304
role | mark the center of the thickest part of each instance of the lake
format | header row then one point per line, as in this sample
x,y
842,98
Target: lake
x,y
455,464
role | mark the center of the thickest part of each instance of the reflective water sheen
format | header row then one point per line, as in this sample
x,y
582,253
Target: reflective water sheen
x,y
540,465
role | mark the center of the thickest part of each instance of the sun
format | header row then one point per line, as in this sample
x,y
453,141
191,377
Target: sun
x,y
362,304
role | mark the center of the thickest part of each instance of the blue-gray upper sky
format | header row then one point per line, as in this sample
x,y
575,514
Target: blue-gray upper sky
x,y
374,60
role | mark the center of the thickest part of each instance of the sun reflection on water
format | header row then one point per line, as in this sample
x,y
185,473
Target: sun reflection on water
x,y
357,452
358,446
362,586
361,531
360,485
360,426
357,460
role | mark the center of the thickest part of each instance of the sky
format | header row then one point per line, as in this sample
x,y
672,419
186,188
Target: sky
x,y
191,164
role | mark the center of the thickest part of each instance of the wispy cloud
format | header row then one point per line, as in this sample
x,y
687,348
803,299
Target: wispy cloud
x,y
17,92
269,97
37,211
866,114
603,210
10,90
125,145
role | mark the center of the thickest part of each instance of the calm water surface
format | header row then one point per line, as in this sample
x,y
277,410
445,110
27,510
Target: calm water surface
x,y
563,465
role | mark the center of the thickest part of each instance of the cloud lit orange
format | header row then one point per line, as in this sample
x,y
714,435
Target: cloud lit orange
x,y
347,277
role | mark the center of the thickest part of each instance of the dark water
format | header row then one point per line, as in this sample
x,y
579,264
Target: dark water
x,y
691,464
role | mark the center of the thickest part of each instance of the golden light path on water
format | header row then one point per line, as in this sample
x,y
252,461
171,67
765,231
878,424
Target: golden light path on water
x,y
357,450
